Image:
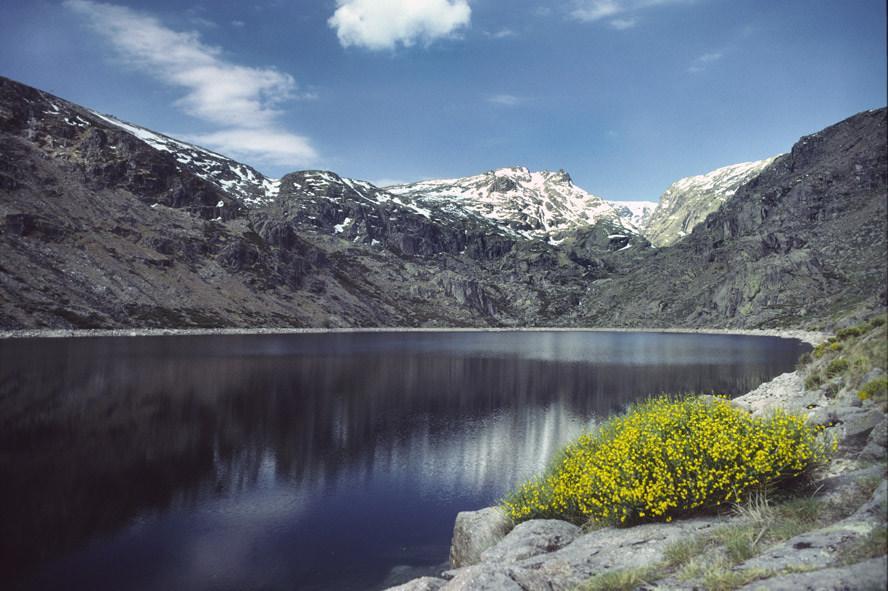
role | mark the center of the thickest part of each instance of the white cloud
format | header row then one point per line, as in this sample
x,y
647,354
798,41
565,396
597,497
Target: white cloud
x,y
505,100
621,24
265,145
383,24
501,34
704,61
244,100
595,10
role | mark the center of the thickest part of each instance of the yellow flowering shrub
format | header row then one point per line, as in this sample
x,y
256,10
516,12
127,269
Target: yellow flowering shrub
x,y
667,456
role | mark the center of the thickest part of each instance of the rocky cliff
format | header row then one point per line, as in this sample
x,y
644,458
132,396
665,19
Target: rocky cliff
x,y
800,244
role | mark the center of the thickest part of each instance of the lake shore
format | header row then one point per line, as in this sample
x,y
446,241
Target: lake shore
x,y
810,337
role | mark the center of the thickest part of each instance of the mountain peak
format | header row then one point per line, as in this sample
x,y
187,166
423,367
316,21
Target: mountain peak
x,y
529,204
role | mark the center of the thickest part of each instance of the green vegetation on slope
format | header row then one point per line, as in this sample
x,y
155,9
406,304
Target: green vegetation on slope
x,y
849,358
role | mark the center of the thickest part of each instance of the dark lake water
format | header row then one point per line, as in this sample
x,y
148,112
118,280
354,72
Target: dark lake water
x,y
319,461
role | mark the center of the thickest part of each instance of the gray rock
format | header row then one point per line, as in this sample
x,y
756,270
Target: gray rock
x,y
817,549
420,584
868,575
877,507
877,443
478,578
589,554
476,531
530,538
861,421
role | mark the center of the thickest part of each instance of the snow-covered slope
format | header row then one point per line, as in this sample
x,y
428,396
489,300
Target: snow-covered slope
x,y
688,201
635,213
238,180
542,205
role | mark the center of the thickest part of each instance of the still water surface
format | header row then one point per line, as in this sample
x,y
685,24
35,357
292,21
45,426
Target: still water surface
x,y
321,461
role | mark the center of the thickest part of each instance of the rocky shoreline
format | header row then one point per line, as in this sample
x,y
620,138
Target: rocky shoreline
x,y
807,336
489,553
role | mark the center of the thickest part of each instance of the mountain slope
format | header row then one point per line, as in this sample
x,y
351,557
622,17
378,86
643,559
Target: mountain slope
x,y
104,224
688,201
801,244
107,224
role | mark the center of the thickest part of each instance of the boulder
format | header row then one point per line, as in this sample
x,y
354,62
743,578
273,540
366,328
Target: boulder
x,y
531,538
859,424
476,531
876,444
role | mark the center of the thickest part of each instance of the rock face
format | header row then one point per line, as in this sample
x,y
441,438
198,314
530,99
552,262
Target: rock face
x,y
688,201
868,574
105,224
799,243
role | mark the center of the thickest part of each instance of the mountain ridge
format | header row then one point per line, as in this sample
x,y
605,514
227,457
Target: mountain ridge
x,y
103,229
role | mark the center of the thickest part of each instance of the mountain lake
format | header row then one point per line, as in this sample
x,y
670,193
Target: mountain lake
x,y
303,461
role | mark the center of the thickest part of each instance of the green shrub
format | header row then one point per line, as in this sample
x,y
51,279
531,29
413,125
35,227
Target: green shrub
x,y
854,331
835,347
836,367
876,389
813,381
821,349
667,456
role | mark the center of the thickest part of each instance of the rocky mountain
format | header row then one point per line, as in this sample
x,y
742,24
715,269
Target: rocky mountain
x,y
107,224
544,205
635,214
688,201
803,243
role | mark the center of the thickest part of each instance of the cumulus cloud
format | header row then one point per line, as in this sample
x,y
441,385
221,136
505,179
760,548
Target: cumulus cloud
x,y
242,99
383,24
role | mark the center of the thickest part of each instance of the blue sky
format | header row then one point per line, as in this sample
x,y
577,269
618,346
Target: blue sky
x,y
626,95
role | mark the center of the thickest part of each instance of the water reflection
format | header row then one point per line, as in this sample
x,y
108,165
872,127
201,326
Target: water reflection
x,y
301,461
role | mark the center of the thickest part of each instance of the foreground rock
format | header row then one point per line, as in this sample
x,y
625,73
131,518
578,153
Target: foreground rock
x,y
868,575
476,531
520,562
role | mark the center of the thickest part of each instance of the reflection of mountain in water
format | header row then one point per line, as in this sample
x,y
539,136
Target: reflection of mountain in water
x,y
95,432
